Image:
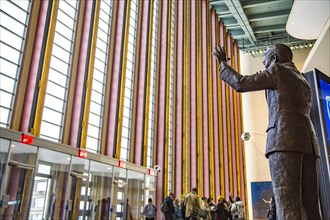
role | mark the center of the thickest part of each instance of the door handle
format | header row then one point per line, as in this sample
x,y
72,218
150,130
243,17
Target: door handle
x,y
21,165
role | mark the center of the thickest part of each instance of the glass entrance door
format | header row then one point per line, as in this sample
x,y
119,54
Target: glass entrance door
x,y
51,185
19,181
119,198
79,190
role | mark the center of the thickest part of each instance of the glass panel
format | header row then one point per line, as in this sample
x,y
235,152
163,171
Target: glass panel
x,y
20,180
152,88
150,188
100,187
4,147
59,72
79,180
99,75
119,194
128,93
135,203
13,24
51,184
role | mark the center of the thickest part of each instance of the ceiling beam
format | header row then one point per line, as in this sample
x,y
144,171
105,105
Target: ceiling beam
x,y
269,15
236,9
279,27
256,3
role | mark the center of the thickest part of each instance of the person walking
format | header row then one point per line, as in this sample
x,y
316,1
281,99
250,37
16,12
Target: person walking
x,y
149,210
192,204
169,213
292,147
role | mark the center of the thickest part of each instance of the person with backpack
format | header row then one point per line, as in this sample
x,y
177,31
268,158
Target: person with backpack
x,y
150,210
167,207
237,210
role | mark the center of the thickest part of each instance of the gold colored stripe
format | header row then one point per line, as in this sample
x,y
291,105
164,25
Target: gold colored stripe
x,y
26,63
123,80
136,80
221,150
184,96
73,76
229,139
90,76
43,81
146,113
109,77
210,104
167,101
157,83
186,110
200,183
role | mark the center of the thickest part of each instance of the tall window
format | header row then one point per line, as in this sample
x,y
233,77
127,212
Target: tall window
x,y
99,78
128,93
14,16
170,127
152,85
59,71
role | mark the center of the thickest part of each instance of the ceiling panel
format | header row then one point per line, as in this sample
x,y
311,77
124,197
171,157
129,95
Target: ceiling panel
x,y
256,24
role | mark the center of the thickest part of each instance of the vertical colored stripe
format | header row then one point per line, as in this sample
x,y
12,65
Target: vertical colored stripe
x,y
223,107
115,79
35,62
210,102
233,171
123,81
193,98
141,75
186,114
179,99
205,101
161,184
200,159
45,68
80,80
215,106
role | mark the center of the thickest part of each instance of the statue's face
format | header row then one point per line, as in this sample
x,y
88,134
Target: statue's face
x,y
267,61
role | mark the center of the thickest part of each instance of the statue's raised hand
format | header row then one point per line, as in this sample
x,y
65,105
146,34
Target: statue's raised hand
x,y
220,54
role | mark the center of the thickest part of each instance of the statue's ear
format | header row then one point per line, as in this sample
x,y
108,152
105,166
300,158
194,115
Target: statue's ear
x,y
275,58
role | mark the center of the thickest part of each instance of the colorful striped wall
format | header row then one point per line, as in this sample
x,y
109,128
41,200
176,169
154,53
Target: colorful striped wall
x,y
206,117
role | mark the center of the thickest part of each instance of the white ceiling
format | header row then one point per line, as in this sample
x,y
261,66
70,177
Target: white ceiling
x,y
307,18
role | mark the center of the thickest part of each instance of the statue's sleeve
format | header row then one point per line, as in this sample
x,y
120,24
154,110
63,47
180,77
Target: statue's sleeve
x,y
245,83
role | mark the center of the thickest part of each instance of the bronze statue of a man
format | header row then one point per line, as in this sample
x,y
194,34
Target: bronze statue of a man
x,y
292,147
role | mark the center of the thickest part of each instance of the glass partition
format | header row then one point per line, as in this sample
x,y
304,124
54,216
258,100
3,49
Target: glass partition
x,y
4,148
100,191
150,188
118,204
49,192
22,164
79,190
135,196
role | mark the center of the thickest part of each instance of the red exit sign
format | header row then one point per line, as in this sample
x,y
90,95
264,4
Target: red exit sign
x,y
26,139
82,153
121,164
151,172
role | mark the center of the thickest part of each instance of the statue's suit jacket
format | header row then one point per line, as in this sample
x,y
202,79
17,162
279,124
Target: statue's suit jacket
x,y
288,97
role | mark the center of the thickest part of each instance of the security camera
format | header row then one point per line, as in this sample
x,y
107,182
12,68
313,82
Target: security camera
x,y
245,136
157,168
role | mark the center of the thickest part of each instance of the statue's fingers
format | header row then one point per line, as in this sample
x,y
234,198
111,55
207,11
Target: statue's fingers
x,y
223,50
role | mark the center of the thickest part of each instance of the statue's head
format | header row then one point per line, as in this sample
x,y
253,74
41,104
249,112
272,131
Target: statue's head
x,y
280,52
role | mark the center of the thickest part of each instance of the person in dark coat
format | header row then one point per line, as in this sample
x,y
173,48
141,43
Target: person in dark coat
x,y
292,147
220,210
169,215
